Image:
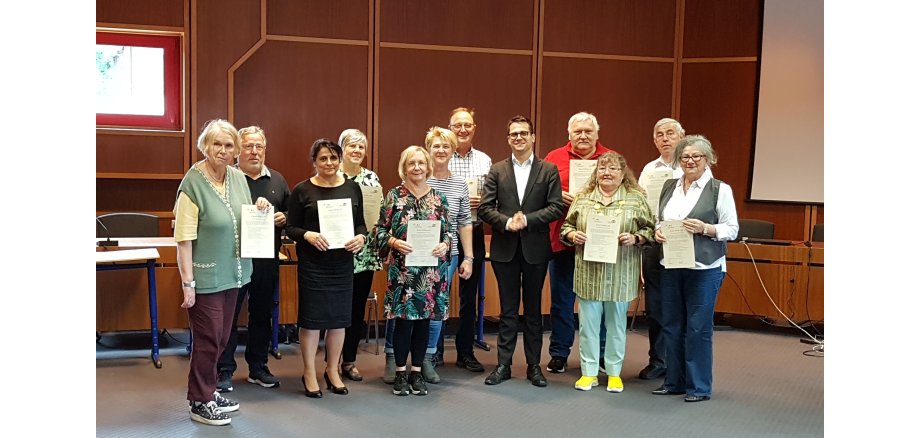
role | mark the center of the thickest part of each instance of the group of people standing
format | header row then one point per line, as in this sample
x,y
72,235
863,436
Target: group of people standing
x,y
538,225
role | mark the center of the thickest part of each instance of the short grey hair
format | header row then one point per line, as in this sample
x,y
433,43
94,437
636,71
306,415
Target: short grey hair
x,y
212,129
581,117
699,142
667,121
254,130
352,136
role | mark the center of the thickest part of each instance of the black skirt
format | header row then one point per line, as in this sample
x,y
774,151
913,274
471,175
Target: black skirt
x,y
324,293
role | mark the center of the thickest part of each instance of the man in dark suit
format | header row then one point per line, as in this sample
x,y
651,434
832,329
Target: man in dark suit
x,y
521,196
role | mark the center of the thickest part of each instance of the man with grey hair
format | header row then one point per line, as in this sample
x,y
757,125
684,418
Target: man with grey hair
x,y
583,144
271,185
666,134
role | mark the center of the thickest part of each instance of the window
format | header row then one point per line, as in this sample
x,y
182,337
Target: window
x,y
138,80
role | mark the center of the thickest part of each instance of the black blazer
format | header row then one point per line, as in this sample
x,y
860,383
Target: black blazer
x,y
542,204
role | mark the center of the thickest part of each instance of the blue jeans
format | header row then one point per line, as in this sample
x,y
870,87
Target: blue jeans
x,y
433,333
688,298
562,309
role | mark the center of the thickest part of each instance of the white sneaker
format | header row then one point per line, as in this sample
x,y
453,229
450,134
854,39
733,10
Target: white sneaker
x,y
225,404
208,413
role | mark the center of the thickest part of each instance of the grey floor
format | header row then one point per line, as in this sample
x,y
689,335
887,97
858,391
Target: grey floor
x,y
764,386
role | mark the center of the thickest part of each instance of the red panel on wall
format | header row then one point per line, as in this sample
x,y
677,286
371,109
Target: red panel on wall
x,y
636,28
139,154
506,24
343,19
149,13
719,28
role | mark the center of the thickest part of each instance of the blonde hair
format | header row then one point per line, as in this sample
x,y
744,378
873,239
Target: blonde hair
x,y
629,178
404,156
212,129
255,130
444,134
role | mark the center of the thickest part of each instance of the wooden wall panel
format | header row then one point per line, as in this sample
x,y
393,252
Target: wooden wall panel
x,y
142,195
419,88
139,154
476,23
345,19
289,89
626,97
633,28
148,13
718,28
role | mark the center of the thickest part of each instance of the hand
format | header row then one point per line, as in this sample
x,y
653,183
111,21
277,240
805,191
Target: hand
x,y
280,219
317,240
577,237
402,246
188,297
474,202
466,269
659,236
695,226
354,245
517,222
262,203
440,250
626,239
567,198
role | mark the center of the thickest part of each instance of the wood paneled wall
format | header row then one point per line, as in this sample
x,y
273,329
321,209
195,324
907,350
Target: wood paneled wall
x,y
309,69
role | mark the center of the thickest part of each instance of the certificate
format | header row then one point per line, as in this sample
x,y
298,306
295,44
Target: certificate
x,y
424,236
579,174
603,242
678,249
655,182
472,185
257,232
373,197
335,221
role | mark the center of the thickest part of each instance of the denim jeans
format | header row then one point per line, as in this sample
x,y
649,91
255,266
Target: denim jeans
x,y
562,309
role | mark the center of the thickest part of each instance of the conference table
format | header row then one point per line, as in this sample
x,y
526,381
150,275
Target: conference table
x,y
138,259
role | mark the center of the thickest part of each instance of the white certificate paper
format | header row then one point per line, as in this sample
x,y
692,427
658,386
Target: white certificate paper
x,y
373,197
678,249
257,232
655,182
472,185
335,221
603,238
424,236
579,174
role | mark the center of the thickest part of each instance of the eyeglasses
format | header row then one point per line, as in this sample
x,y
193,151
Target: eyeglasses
x,y
521,134
695,158
458,126
602,169
257,146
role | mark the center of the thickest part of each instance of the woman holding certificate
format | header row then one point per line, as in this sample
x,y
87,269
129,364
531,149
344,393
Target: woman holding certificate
x,y
414,225
326,220
607,222
698,206
354,146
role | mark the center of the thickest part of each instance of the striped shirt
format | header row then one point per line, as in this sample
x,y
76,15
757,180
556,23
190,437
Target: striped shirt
x,y
458,205
475,164
618,281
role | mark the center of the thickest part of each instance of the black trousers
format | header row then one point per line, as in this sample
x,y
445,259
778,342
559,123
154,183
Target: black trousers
x,y
468,291
651,272
519,281
261,290
410,335
354,332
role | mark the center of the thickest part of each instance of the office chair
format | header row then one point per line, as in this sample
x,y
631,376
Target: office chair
x,y
754,228
817,233
127,225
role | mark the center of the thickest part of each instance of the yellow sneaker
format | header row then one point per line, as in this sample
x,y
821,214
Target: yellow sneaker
x,y
614,384
585,383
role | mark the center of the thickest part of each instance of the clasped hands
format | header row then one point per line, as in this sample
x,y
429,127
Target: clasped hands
x,y
518,222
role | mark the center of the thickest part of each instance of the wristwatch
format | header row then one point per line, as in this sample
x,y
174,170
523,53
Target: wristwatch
x,y
190,284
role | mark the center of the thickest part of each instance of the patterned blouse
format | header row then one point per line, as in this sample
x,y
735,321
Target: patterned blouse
x,y
367,259
417,292
618,281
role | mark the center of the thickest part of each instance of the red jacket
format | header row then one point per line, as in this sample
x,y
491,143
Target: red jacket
x,y
560,157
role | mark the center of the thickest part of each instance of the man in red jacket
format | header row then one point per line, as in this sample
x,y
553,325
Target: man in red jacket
x,y
583,145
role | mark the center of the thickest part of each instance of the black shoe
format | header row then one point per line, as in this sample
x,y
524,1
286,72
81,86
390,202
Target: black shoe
x,y
652,372
263,378
401,384
661,390
470,363
417,383
224,381
556,365
535,375
696,398
312,394
343,390
499,375
351,372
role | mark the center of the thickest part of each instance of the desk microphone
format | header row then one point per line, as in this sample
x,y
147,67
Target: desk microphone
x,y
108,240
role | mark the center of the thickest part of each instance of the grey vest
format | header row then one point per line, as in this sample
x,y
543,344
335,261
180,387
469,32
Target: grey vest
x,y
707,250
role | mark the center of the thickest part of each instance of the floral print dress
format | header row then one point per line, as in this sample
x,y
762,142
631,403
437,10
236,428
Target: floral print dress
x,y
417,292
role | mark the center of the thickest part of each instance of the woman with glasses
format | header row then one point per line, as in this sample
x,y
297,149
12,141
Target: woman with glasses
x,y
605,288
706,209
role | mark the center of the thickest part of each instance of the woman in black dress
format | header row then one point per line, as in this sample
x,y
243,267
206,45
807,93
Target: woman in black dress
x,y
324,266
